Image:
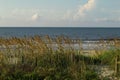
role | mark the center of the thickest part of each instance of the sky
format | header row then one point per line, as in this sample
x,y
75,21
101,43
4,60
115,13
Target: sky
x,y
60,13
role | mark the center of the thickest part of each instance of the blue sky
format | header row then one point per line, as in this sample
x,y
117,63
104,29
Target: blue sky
x,y
60,13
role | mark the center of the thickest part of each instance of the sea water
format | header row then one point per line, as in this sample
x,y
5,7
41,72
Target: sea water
x,y
72,32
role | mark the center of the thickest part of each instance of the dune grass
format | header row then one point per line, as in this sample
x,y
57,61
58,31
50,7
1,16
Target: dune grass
x,y
30,58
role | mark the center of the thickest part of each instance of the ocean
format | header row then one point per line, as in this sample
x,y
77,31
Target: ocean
x,y
72,32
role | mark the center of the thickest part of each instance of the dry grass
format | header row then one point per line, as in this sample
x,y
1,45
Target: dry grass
x,y
39,51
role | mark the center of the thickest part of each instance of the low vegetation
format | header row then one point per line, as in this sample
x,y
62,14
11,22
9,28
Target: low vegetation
x,y
35,58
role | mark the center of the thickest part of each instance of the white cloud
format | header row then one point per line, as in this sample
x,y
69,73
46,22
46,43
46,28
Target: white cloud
x,y
86,7
0,17
107,19
35,17
26,14
67,16
23,11
101,19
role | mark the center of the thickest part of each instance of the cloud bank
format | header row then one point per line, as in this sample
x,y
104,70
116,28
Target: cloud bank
x,y
91,13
